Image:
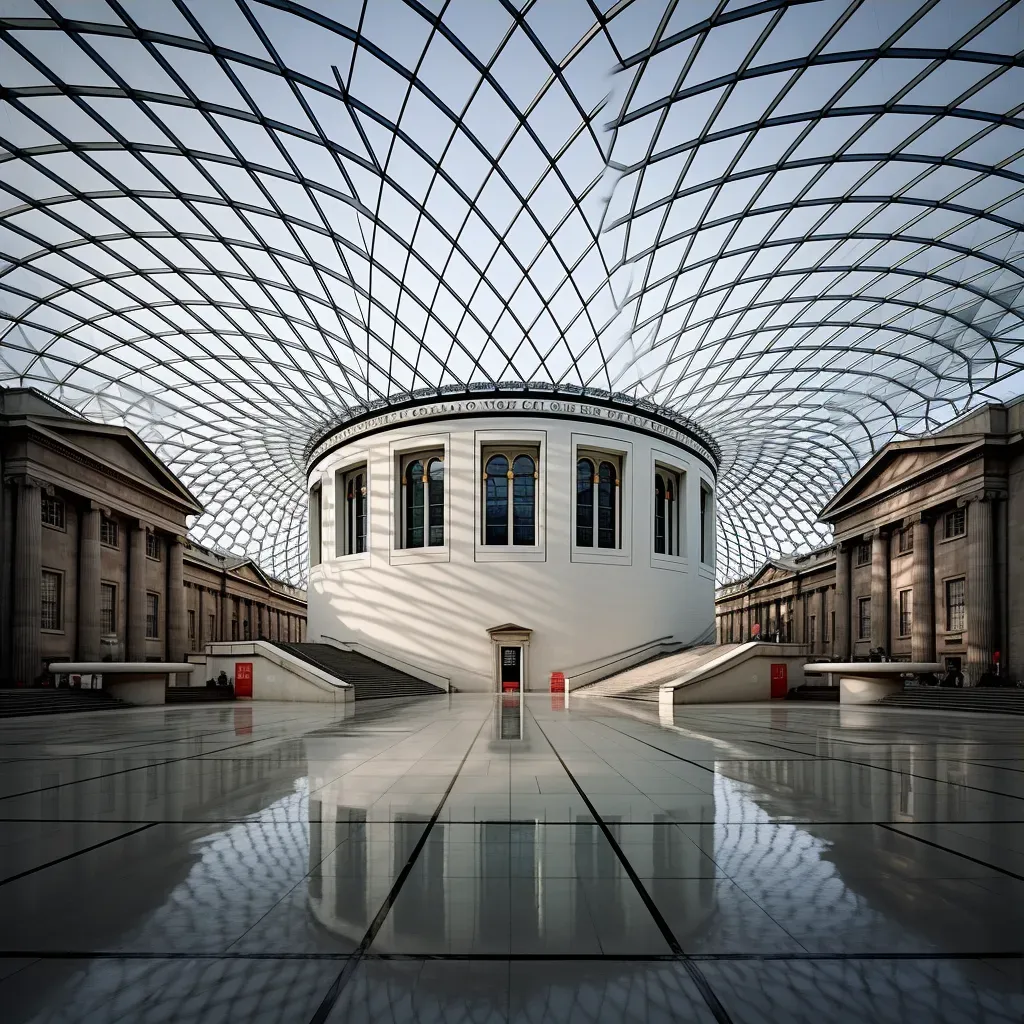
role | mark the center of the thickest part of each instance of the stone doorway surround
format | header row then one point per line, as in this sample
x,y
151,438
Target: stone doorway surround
x,y
510,635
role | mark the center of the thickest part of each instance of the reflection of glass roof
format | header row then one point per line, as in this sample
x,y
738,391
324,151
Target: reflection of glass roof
x,y
224,223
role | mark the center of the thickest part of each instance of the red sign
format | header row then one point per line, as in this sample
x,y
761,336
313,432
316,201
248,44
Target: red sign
x,y
243,680
558,682
780,683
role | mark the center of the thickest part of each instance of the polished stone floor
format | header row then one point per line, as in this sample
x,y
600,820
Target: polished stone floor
x,y
478,859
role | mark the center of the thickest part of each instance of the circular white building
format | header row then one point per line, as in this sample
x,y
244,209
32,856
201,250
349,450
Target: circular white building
x,y
496,538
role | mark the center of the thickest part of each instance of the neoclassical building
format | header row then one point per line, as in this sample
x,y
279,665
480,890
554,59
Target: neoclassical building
x,y
495,538
927,560
94,563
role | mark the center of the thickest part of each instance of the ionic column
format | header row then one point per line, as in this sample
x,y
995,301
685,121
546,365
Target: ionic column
x,y
881,613
981,595
177,628
136,629
89,625
841,640
922,623
27,598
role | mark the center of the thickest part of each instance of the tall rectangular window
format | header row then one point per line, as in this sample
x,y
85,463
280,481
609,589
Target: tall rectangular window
x,y
598,499
191,624
812,623
864,618
212,624
354,505
152,617
707,524
668,500
906,540
422,499
864,552
152,545
52,600
109,532
108,608
955,523
53,512
316,514
955,593
906,612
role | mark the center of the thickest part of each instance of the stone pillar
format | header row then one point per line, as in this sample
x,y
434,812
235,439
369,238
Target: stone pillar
x,y
136,627
922,622
89,625
27,598
225,617
201,623
841,638
981,592
177,616
881,610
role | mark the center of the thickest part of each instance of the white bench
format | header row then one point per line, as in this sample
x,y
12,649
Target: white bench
x,y
864,682
134,682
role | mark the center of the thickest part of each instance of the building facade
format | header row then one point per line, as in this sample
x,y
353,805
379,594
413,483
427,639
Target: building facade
x,y
231,598
496,539
94,563
928,560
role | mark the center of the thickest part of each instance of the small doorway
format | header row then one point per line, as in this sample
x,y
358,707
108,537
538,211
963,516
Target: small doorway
x,y
511,646
511,669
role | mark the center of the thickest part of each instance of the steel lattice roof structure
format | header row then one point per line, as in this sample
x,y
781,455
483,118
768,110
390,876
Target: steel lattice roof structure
x,y
228,223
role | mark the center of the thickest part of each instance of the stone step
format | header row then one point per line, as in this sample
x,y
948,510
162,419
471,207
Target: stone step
x,y
643,681
19,703
998,701
371,680
198,694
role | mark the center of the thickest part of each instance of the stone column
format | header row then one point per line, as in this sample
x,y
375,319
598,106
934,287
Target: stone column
x,y
27,599
201,623
922,622
177,628
136,627
881,610
981,594
823,630
225,617
841,638
89,625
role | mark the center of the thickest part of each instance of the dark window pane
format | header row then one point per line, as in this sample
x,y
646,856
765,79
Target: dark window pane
x,y
584,503
436,496
496,501
606,506
524,491
659,514
414,505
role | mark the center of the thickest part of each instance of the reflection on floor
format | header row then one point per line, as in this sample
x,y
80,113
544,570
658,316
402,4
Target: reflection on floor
x,y
470,858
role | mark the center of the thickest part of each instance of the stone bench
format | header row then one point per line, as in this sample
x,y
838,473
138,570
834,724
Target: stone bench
x,y
864,682
134,682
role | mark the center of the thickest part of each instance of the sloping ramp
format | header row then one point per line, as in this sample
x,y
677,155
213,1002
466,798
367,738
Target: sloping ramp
x,y
643,681
369,679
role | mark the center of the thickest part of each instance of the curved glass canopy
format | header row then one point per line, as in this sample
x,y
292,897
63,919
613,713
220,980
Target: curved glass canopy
x,y
226,224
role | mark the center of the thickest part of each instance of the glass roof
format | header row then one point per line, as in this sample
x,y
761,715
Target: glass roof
x,y
226,223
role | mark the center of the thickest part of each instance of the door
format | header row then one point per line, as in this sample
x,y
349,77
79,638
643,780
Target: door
x,y
511,668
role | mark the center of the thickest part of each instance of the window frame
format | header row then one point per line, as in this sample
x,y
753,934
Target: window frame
x,y
812,622
151,535
108,522
356,465
862,603
948,608
905,612
862,546
511,451
946,516
486,444
427,459
156,615
905,540
401,453
315,537
107,586
58,575
56,502
706,524
679,469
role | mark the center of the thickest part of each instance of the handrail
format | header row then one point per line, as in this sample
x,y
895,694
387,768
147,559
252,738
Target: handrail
x,y
610,659
381,655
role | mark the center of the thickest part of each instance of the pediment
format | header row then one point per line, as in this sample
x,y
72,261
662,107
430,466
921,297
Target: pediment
x,y
508,627
896,465
251,572
770,573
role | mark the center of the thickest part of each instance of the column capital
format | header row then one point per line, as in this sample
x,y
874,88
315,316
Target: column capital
x,y
27,480
985,494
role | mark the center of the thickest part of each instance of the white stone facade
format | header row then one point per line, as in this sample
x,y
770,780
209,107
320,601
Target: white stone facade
x,y
432,606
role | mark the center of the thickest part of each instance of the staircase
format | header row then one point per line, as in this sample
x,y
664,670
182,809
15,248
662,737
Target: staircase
x,y
370,679
45,701
991,700
642,682
198,694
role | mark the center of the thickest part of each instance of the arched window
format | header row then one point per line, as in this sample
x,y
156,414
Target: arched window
x,y
524,500
598,501
496,500
510,496
584,503
354,518
423,505
667,488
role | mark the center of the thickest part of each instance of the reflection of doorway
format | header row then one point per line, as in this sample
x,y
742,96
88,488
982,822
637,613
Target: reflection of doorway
x,y
511,669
